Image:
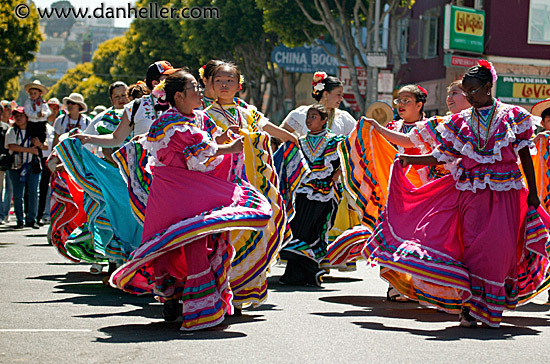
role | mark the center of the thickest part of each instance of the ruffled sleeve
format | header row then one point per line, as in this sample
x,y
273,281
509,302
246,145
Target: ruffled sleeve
x,y
173,134
446,150
522,124
296,119
425,135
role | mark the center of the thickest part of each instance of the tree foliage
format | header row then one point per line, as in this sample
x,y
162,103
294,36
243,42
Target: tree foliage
x,y
105,58
71,81
150,40
57,26
19,38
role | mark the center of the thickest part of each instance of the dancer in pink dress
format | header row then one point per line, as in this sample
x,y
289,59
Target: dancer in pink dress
x,y
477,229
186,251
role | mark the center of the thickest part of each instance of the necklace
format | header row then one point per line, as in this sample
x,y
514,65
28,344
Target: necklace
x,y
482,122
313,143
230,119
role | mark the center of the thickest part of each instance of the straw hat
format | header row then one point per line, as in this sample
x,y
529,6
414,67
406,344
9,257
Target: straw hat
x,y
539,107
54,101
38,85
77,99
381,112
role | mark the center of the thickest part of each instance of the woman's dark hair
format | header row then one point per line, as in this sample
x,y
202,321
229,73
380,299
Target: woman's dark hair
x,y
322,112
176,82
479,73
114,85
137,90
330,83
223,65
545,113
419,95
210,66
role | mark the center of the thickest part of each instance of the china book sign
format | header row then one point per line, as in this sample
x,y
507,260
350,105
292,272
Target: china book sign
x,y
522,89
464,29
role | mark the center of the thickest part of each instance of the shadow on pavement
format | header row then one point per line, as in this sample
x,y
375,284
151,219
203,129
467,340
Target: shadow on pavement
x,y
274,285
456,333
71,277
380,307
168,331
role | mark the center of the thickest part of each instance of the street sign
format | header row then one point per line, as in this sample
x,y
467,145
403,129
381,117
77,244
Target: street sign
x,y
385,82
377,59
450,60
309,58
464,29
522,89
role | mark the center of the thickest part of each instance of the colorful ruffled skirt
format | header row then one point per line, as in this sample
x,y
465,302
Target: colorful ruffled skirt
x,y
489,246
187,250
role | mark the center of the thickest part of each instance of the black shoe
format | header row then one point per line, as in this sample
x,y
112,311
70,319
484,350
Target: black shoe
x,y
172,310
19,225
32,225
40,223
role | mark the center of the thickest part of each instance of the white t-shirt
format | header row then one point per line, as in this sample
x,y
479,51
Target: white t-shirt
x,y
19,137
145,115
342,124
50,134
64,124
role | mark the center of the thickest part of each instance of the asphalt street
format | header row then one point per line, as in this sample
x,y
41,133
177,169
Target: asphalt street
x,y
54,311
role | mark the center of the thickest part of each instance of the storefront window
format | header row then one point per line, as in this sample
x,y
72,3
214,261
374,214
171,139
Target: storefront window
x,y
430,27
539,22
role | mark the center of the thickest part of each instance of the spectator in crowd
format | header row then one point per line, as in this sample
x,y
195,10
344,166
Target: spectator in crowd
x,y
23,147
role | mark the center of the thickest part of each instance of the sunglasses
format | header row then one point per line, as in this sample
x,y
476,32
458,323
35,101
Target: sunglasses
x,y
471,92
71,103
403,101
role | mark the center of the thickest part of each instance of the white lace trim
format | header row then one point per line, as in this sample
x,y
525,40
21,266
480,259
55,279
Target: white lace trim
x,y
526,143
325,172
195,163
511,131
468,151
457,172
316,196
417,142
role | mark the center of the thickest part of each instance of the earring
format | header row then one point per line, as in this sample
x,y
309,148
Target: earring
x,y
488,93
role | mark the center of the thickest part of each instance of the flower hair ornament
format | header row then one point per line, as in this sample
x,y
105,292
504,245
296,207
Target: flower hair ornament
x,y
158,90
483,63
423,90
201,71
317,83
141,83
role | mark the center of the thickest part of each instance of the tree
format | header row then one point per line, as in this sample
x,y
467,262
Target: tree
x,y
239,36
59,25
71,81
150,40
19,38
346,21
105,57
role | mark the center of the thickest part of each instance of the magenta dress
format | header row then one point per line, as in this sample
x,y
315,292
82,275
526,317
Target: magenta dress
x,y
186,249
471,230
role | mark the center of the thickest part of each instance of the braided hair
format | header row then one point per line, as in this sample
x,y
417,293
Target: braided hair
x,y
479,73
330,83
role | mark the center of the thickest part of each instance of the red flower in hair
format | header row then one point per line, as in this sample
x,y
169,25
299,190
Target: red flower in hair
x,y
484,63
423,90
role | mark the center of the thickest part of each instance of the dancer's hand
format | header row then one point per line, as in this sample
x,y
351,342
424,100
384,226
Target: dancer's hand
x,y
84,139
533,200
372,122
539,136
236,146
404,160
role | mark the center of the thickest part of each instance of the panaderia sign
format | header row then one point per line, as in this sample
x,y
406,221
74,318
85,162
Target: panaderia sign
x,y
464,29
522,89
